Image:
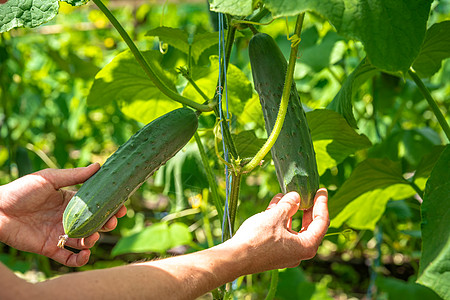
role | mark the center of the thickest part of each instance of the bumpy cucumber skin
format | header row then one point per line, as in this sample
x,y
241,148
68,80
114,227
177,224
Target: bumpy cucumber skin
x,y
126,169
293,153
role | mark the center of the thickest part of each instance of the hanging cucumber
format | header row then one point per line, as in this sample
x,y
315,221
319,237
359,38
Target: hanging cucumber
x,y
293,153
124,172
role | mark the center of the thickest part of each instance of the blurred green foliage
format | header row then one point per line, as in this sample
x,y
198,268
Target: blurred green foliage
x,y
46,75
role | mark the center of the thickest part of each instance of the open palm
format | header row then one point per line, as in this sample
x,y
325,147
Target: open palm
x,y
31,210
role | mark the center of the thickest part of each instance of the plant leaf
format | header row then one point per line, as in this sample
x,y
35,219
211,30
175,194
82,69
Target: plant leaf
x,y
233,7
318,56
239,87
26,13
179,39
76,2
428,162
252,114
175,37
369,175
158,237
399,289
435,48
124,81
434,269
365,211
248,144
333,138
342,102
391,31
202,42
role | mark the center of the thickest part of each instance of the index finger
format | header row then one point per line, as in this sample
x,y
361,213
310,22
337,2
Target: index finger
x,y
320,217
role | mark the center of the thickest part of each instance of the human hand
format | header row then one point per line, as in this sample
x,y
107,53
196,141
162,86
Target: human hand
x,y
31,210
270,243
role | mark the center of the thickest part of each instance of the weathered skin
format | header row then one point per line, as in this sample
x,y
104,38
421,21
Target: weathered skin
x,y
293,153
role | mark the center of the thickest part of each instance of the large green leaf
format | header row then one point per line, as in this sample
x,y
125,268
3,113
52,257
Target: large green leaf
x,y
179,39
239,87
428,162
399,289
252,114
365,211
342,102
391,31
333,138
318,56
26,13
369,175
435,48
248,144
124,81
233,7
158,237
434,270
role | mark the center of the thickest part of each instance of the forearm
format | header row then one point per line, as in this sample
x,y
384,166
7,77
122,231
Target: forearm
x,y
180,277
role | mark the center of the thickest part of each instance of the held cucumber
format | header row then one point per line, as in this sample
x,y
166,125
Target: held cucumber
x,y
125,170
293,153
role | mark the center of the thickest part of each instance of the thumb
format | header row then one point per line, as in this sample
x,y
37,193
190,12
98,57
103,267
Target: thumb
x,y
66,177
287,206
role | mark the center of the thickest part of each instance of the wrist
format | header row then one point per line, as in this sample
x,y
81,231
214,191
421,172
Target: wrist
x,y
239,256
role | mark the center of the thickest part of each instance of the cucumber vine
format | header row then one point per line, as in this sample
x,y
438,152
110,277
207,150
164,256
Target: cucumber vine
x,y
146,66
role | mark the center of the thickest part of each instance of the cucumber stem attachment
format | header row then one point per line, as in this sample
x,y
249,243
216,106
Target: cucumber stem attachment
x,y
283,105
62,240
146,66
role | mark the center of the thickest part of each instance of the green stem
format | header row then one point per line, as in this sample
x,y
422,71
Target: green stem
x,y
273,285
232,203
210,177
145,65
426,93
416,188
229,142
261,14
194,85
206,223
283,105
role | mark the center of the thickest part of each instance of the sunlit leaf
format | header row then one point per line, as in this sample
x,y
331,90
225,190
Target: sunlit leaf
x,y
175,37
365,211
233,7
179,39
434,269
333,138
77,2
239,87
26,13
124,81
158,237
252,114
371,174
